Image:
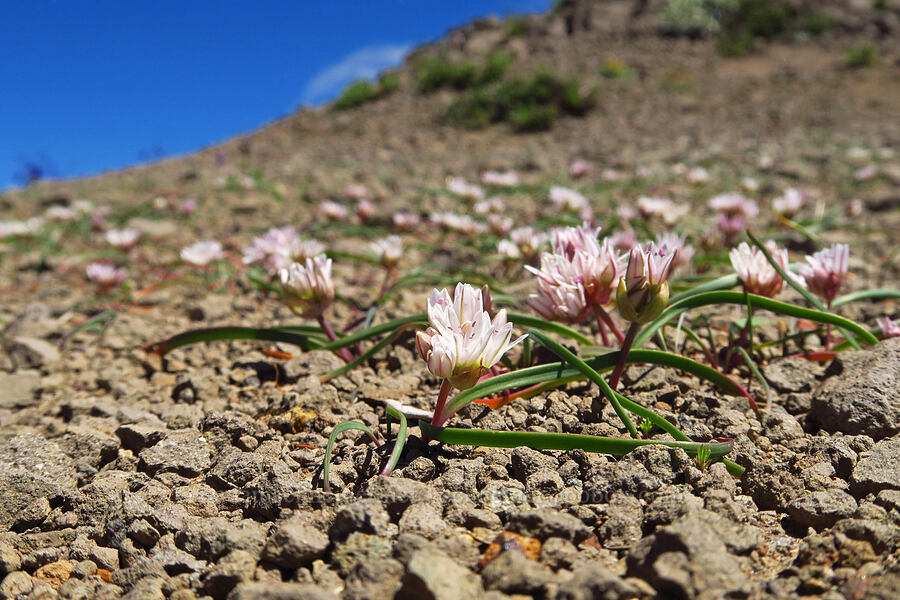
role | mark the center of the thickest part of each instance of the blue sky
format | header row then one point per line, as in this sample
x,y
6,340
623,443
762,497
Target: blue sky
x,y
90,85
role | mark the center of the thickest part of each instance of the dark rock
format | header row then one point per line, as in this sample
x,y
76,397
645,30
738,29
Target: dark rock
x,y
374,578
185,452
362,516
232,569
524,462
359,548
137,436
780,427
502,497
629,477
863,397
273,490
459,509
86,444
432,575
397,494
543,524
208,539
822,508
666,464
176,561
293,544
771,486
883,537
667,507
544,482
688,559
513,573
423,519
793,374
596,582
234,469
280,591
621,525
878,471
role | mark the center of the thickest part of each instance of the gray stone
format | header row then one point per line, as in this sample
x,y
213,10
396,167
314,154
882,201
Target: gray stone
x,y
294,544
30,353
32,467
17,584
667,507
621,526
185,452
594,581
459,509
208,539
235,567
878,471
198,499
543,524
280,591
513,573
862,395
397,494
272,491
88,445
423,519
626,476
19,389
793,374
234,469
822,508
544,482
432,575
687,559
362,516
176,561
780,427
525,462
771,486
10,560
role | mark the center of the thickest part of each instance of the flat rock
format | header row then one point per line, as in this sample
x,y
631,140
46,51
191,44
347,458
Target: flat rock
x,y
863,396
19,388
293,545
432,575
822,508
185,452
878,471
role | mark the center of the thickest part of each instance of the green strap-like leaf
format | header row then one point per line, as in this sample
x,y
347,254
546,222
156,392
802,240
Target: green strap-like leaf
x,y
212,334
544,325
399,442
566,355
562,441
758,302
329,447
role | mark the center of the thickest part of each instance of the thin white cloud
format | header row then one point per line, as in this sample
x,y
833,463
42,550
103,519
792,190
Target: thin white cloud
x,y
364,63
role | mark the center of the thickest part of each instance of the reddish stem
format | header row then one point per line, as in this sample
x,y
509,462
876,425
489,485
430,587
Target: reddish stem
x,y
616,375
438,418
332,336
604,316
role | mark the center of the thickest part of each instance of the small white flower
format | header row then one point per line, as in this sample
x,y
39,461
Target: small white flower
x,y
755,272
201,254
279,247
308,288
491,205
697,175
463,341
333,211
388,250
406,221
672,242
564,198
789,203
527,240
500,179
826,270
508,249
463,188
357,191
580,168
499,224
122,238
60,213
104,275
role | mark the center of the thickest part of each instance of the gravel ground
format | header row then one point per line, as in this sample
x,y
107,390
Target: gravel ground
x,y
199,475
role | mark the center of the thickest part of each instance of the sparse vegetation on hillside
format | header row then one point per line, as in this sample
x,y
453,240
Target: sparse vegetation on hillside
x,y
437,72
362,91
529,103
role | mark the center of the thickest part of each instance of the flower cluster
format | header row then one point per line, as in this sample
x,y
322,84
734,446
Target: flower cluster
x,y
463,342
755,272
825,271
201,254
279,247
307,288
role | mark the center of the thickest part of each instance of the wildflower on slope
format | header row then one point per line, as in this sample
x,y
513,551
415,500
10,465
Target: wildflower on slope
x,y
825,272
332,211
406,221
643,290
491,205
672,242
365,210
357,191
279,247
122,238
388,250
201,254
564,198
308,289
104,275
499,224
789,203
580,168
889,328
500,179
756,274
508,250
528,240
463,342
463,188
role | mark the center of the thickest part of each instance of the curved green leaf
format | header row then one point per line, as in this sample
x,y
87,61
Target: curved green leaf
x,y
539,323
329,447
